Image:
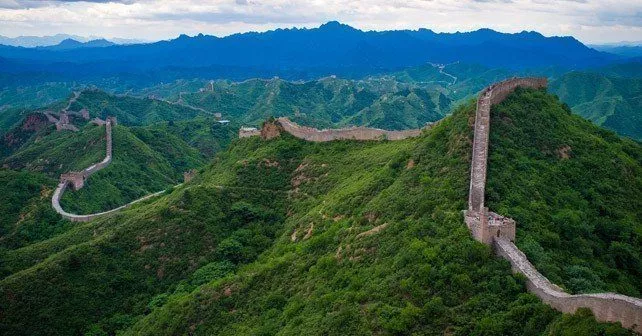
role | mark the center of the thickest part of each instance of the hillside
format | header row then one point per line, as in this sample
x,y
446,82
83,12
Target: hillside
x,y
573,189
320,238
328,102
612,102
146,159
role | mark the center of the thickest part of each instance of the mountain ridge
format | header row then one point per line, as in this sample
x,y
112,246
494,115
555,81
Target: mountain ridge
x,y
332,48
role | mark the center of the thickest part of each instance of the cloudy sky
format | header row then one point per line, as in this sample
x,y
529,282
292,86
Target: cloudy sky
x,y
591,21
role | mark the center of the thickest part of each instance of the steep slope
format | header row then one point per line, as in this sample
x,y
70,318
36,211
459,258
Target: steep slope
x,y
138,168
613,102
131,110
574,190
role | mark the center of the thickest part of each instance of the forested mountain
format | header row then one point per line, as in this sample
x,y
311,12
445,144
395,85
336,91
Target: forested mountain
x,y
613,102
349,238
147,158
328,102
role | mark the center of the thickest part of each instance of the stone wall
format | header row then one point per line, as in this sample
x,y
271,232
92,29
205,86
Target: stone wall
x,y
245,132
353,133
609,307
77,179
491,95
55,203
491,228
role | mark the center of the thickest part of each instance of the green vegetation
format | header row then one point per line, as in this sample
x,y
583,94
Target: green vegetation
x,y
612,102
53,152
289,237
574,190
328,102
130,110
139,167
27,215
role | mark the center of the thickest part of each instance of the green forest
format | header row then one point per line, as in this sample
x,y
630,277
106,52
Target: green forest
x,y
289,237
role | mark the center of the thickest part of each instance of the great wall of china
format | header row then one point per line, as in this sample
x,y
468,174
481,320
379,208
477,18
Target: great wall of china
x,y
487,227
77,180
324,135
498,231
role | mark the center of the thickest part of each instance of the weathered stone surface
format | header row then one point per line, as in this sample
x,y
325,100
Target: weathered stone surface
x,y
270,130
77,179
245,132
609,307
491,228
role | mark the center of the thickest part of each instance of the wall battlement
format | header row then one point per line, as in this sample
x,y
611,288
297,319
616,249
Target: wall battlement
x,y
499,231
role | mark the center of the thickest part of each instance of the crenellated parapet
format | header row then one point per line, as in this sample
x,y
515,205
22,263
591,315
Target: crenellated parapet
x,y
484,225
499,231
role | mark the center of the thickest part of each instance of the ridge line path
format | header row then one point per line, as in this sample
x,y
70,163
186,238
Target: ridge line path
x,y
71,178
441,68
606,307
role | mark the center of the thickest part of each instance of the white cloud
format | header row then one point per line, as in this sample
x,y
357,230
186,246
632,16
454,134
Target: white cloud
x,y
588,20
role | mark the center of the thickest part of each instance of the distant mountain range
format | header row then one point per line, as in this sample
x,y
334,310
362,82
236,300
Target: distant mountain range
x,y
622,50
332,48
45,41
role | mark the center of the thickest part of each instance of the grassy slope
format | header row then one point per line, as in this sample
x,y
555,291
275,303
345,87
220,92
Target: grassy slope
x,y
58,152
26,213
130,110
421,274
146,159
579,218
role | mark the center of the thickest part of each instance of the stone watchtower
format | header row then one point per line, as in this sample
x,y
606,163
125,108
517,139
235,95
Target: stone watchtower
x,y
485,225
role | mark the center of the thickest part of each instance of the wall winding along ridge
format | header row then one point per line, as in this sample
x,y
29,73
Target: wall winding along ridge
x,y
491,228
77,181
352,133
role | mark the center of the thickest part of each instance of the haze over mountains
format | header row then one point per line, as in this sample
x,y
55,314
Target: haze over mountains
x,y
333,48
45,41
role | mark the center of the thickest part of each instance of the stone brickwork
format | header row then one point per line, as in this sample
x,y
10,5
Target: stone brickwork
x,y
499,231
77,179
609,307
245,132
491,95
352,133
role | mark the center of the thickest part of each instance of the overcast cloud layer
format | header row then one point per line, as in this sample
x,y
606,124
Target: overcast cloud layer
x,y
591,21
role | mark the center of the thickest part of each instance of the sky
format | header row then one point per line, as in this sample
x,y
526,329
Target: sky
x,y
590,21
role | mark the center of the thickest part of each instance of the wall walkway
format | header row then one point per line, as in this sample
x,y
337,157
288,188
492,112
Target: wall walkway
x,y
608,307
77,180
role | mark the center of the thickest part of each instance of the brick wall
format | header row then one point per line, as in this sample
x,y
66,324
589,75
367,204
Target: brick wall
x,y
353,133
609,307
77,179
491,228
